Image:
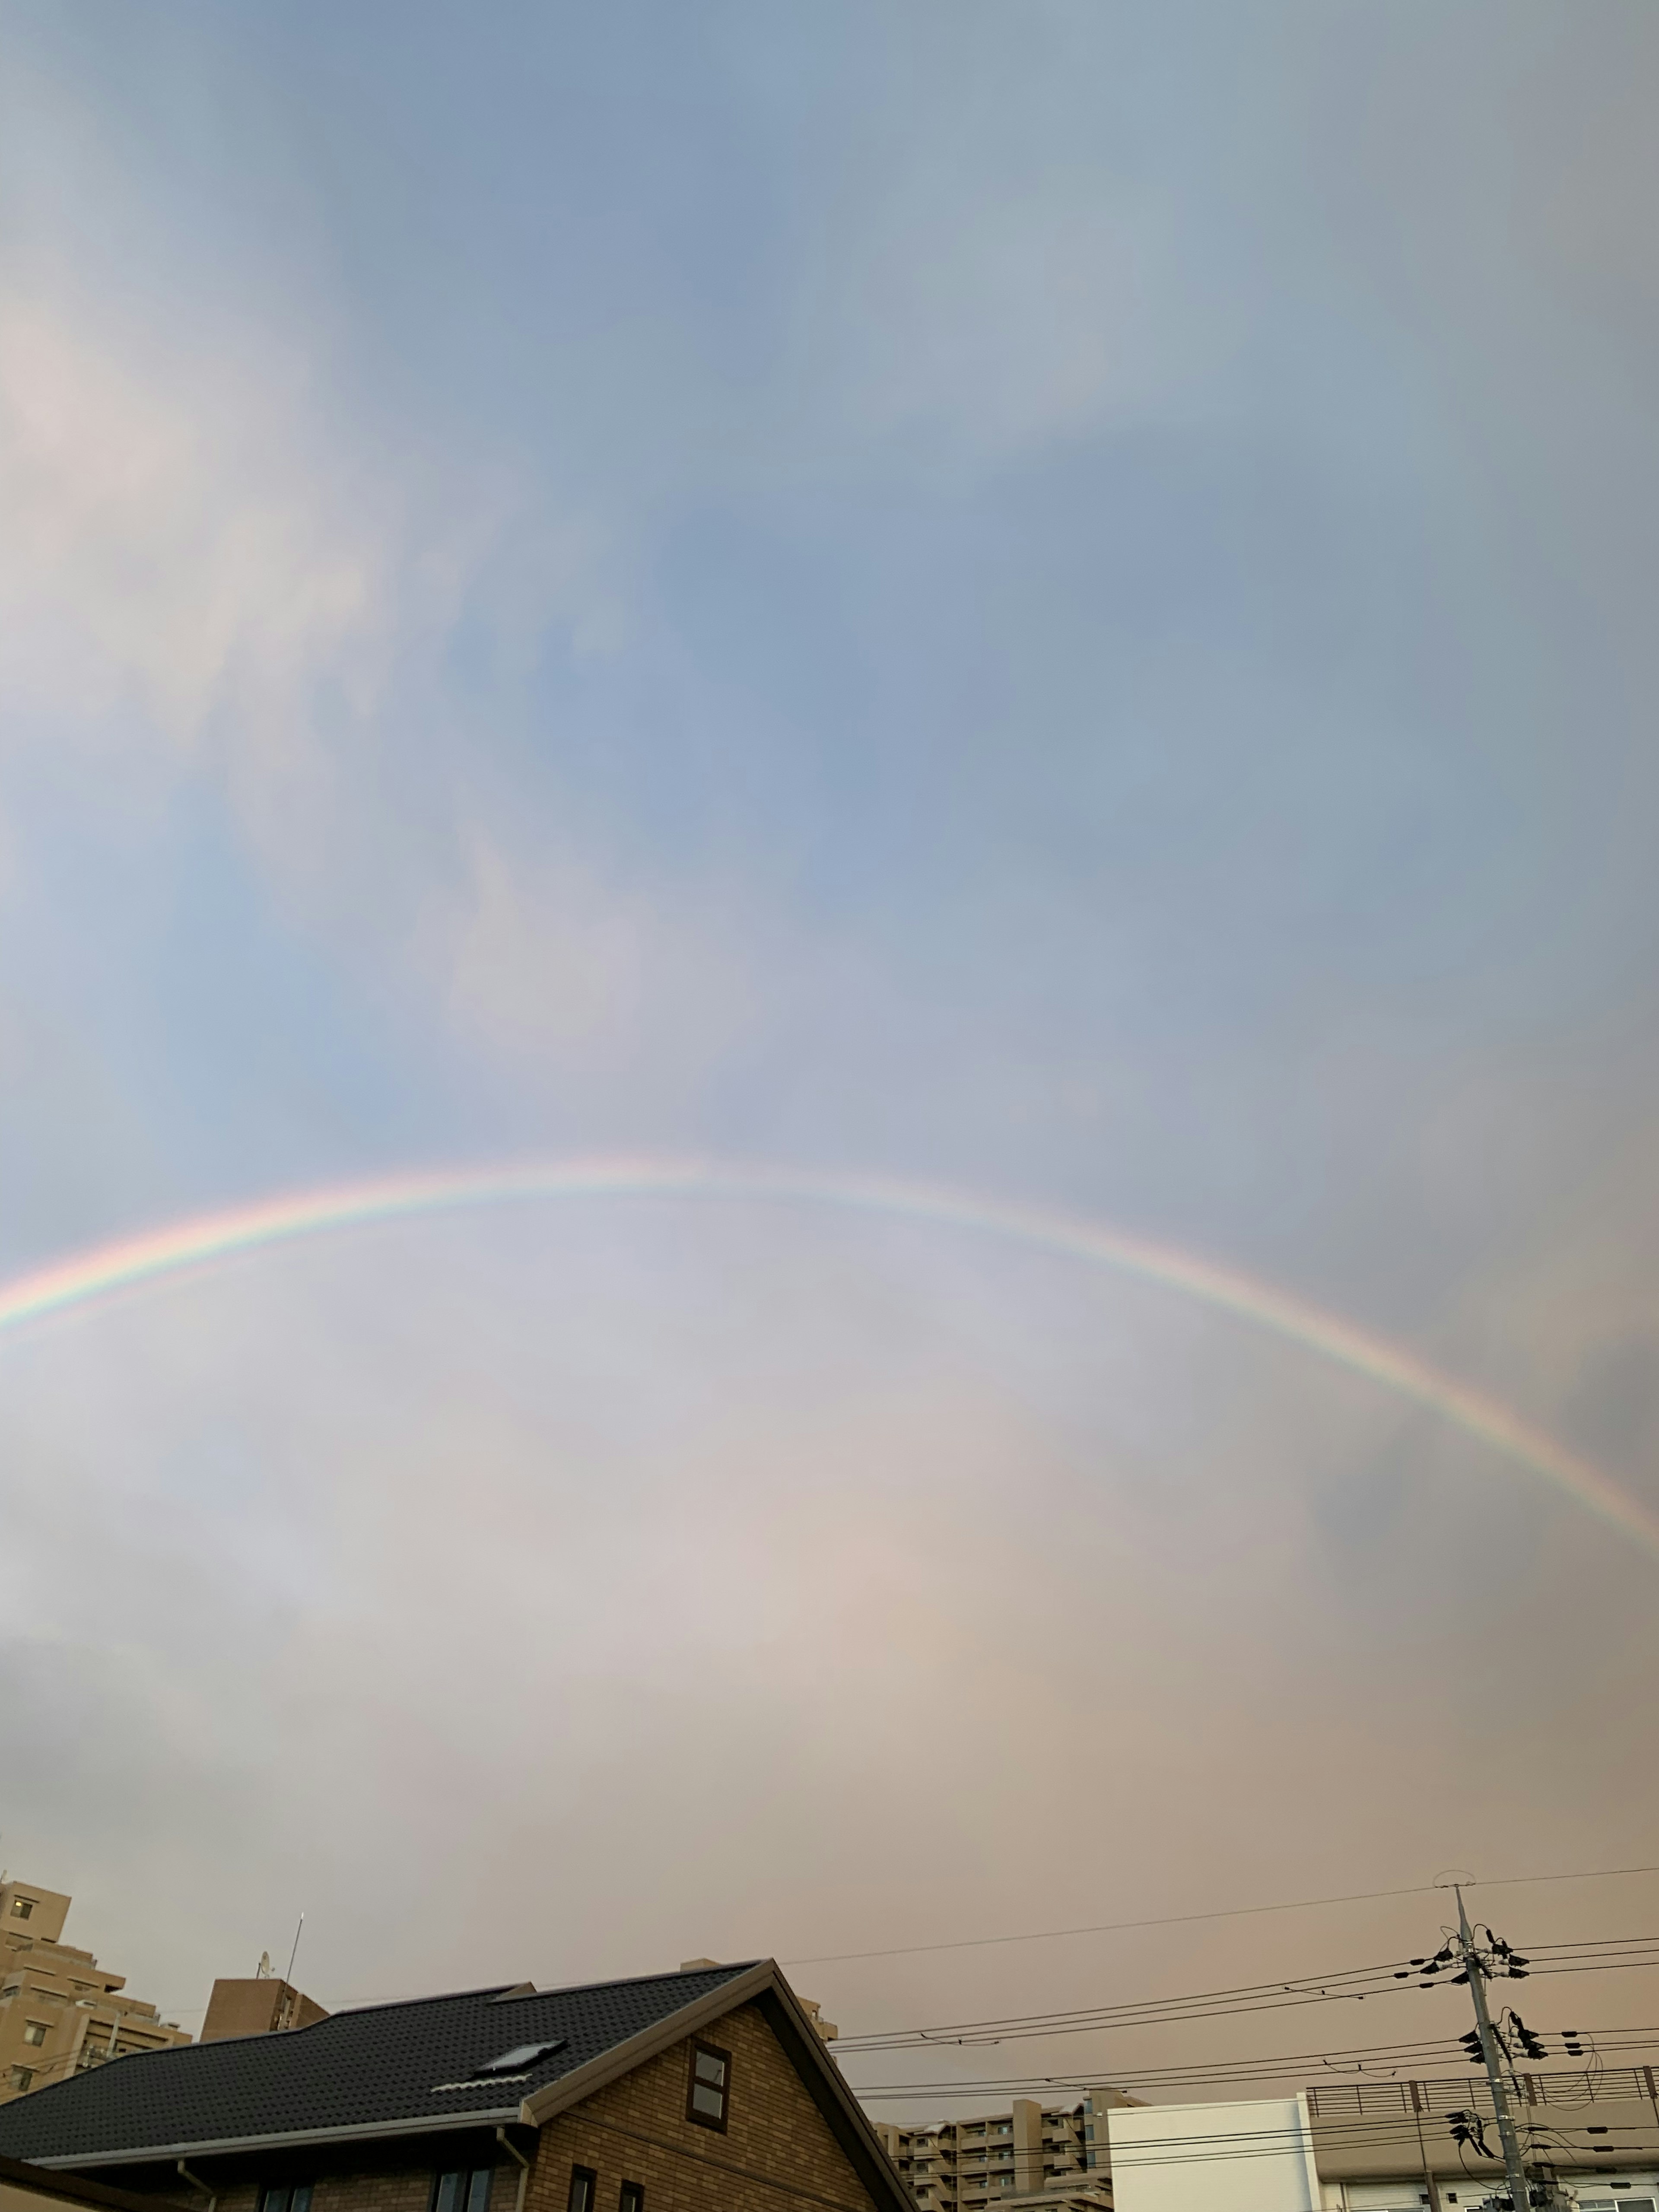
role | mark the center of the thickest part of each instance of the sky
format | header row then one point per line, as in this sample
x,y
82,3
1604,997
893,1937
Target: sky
x,y
1046,598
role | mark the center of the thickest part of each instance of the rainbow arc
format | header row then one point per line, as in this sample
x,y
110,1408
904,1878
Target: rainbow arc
x,y
183,1247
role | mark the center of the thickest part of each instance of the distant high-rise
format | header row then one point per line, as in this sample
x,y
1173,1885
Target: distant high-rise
x,y
264,2004
1049,2152
60,2011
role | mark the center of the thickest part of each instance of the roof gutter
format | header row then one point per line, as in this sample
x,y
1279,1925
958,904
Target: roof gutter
x,y
155,2153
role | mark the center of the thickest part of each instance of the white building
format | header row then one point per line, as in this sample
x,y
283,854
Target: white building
x,y
1253,2157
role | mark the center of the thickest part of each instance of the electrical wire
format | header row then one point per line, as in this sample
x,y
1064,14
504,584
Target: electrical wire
x,y
1303,2067
1224,1912
1361,2068
1582,1956
1380,1980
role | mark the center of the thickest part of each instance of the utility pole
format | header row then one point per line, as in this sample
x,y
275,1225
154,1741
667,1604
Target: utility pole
x,y
1474,1966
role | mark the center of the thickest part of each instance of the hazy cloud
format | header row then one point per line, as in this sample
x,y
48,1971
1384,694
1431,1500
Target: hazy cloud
x,y
1055,602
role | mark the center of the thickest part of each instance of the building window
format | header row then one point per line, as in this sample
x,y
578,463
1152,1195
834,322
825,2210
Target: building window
x,y
584,2181
22,2076
711,2079
632,2198
35,2031
464,2191
288,2199
21,1907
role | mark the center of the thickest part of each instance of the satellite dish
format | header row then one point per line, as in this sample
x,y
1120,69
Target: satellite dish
x,y
264,1974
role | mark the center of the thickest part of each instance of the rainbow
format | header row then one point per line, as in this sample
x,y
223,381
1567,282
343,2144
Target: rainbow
x,y
200,1241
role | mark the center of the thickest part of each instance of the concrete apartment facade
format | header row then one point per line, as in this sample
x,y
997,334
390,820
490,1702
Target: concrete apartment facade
x,y
1375,2146
1387,2146
260,2004
1035,2153
60,2011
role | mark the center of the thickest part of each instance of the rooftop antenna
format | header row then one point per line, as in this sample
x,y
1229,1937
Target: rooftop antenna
x,y
284,2005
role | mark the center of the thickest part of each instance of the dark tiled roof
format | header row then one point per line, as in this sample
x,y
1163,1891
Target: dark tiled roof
x,y
358,2073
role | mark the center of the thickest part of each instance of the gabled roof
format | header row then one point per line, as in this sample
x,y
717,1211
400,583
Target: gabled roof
x,y
382,2070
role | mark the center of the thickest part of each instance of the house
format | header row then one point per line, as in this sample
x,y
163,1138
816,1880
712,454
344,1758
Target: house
x,y
708,2090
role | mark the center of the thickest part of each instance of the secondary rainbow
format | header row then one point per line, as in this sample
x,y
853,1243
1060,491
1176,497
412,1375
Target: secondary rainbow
x,y
184,1246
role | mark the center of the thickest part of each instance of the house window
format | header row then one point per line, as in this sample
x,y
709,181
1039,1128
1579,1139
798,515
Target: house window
x,y
22,2076
35,2031
584,2181
464,2191
633,2197
288,2199
711,2074
21,1907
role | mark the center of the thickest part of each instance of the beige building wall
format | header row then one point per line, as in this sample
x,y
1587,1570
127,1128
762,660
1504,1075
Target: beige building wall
x,y
263,2004
1364,2130
60,2011
1043,2151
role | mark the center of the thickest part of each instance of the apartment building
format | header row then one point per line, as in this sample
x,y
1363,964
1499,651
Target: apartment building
x,y
60,2011
1590,2138
262,2004
1389,2145
1042,2152
1353,2146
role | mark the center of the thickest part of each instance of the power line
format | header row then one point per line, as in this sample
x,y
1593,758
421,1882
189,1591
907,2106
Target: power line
x,y
1365,2066
1108,1927
1587,1874
1224,1912
1353,2055
1599,1955
1258,1997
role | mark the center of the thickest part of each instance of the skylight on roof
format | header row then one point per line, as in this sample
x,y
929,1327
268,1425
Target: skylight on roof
x,y
519,2058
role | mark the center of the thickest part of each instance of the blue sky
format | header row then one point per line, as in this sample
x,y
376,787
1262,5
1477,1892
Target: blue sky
x,y
1050,596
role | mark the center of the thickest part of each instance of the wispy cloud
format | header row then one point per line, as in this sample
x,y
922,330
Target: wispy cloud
x,y
1051,601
